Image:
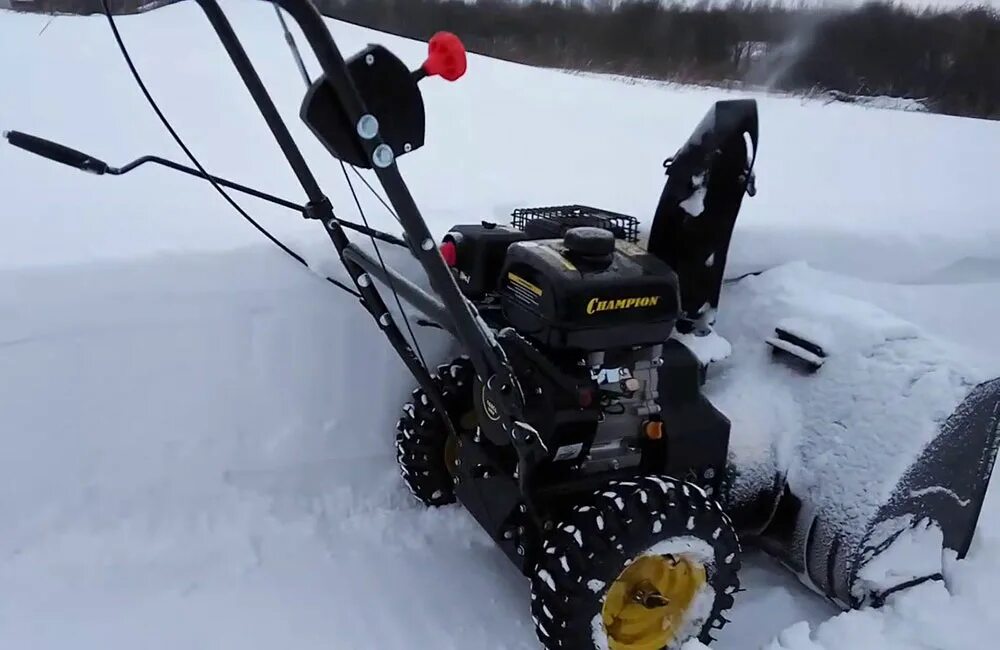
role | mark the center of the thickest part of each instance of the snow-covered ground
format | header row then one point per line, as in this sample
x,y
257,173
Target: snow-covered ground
x,y
196,434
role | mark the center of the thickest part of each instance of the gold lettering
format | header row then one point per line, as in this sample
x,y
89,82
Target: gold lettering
x,y
596,305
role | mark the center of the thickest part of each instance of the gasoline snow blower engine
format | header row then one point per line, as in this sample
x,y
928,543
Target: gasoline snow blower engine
x,y
574,427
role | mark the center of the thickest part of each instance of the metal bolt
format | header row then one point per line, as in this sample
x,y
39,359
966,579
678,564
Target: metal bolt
x,y
508,534
383,156
407,147
370,59
549,525
710,473
427,244
364,280
523,508
368,126
520,550
331,224
458,461
456,480
520,530
615,464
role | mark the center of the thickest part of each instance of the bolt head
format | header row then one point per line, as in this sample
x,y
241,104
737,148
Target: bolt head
x,y
710,473
523,508
370,59
368,126
383,156
507,534
520,550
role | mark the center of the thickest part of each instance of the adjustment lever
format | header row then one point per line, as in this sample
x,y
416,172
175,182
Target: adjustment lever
x,y
446,58
56,152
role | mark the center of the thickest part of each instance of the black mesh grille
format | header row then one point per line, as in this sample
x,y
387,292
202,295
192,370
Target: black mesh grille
x,y
554,221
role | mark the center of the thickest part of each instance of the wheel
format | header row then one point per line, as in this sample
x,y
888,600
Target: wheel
x,y
425,450
645,565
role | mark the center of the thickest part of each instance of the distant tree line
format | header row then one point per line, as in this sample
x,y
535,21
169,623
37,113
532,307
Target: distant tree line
x,y
947,59
87,7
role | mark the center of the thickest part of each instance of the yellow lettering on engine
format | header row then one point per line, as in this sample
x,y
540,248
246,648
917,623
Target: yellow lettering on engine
x,y
596,305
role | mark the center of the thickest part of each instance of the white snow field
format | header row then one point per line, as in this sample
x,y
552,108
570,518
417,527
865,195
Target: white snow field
x,y
196,433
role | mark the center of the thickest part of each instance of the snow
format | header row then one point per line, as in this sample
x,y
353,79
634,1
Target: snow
x,y
708,347
913,552
814,360
197,434
813,332
694,205
884,392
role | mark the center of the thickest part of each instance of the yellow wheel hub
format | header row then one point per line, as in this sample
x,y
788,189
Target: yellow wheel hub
x,y
646,606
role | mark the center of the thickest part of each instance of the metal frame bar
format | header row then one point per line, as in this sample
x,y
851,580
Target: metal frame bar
x,y
483,348
264,196
487,357
319,205
408,291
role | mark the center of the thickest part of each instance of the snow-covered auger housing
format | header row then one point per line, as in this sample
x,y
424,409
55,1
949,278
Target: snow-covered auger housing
x,y
576,427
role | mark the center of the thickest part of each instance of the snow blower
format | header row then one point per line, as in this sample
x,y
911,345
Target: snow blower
x,y
574,427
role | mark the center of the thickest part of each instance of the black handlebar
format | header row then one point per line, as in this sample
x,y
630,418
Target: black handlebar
x,y
56,152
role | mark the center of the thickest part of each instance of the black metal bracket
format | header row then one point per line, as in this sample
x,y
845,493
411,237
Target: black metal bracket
x,y
317,209
487,357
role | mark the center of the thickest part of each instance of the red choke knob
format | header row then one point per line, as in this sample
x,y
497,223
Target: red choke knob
x,y
446,57
449,251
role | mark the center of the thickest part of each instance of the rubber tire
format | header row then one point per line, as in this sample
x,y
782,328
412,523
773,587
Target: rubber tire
x,y
422,435
599,538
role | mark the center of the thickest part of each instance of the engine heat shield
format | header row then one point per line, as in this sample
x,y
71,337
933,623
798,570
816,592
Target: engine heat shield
x,y
566,301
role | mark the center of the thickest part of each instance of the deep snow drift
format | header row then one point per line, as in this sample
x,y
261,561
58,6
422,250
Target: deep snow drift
x,y
197,434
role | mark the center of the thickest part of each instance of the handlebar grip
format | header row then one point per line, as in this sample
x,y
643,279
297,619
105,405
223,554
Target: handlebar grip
x,y
56,152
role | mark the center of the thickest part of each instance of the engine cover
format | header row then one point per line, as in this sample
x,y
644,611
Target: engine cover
x,y
589,301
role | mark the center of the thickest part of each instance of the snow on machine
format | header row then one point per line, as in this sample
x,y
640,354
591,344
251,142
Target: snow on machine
x,y
574,426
